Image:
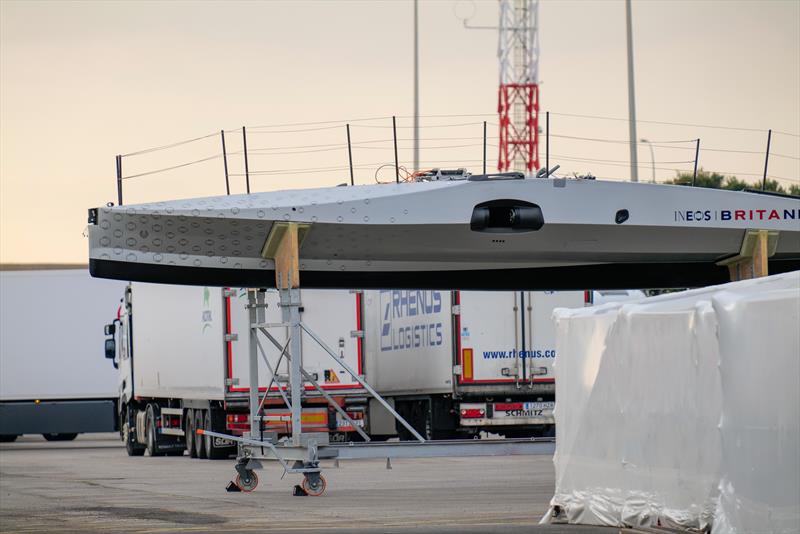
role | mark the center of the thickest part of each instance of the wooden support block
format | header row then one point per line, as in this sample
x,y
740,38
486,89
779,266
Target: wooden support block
x,y
753,258
283,247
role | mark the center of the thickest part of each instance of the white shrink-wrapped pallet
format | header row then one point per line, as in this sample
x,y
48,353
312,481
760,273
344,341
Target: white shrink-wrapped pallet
x,y
759,335
639,392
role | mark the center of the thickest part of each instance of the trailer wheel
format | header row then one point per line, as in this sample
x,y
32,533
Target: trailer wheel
x,y
189,433
129,437
247,483
199,443
150,429
212,451
60,437
314,484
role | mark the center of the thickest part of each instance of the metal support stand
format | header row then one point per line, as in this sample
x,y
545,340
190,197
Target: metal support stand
x,y
302,452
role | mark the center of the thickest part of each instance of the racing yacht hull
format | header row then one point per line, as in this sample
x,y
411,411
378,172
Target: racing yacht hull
x,y
467,234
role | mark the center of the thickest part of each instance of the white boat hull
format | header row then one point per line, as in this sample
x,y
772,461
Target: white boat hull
x,y
429,235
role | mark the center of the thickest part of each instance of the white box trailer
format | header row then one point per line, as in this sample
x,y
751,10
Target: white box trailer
x,y
53,378
183,355
457,363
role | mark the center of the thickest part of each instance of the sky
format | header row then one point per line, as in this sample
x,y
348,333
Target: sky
x,y
81,82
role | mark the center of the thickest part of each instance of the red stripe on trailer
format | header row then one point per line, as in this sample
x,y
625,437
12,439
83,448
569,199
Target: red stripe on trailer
x,y
229,343
459,355
511,381
358,327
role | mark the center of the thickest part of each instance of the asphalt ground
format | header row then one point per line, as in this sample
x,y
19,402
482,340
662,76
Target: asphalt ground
x,y
90,485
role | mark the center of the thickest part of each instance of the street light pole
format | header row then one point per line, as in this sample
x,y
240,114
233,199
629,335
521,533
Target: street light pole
x,y
631,96
652,157
416,87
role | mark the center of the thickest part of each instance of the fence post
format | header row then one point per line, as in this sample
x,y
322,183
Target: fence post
x,y
766,161
119,180
246,168
350,156
696,156
225,162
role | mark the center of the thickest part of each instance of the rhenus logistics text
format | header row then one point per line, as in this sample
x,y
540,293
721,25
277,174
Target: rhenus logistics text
x,y
410,319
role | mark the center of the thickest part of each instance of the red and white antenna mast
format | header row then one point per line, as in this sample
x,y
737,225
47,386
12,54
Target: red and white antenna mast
x,y
518,96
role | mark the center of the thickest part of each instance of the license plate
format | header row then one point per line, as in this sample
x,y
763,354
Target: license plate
x,y
529,409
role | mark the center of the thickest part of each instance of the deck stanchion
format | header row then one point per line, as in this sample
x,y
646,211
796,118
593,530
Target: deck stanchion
x,y
766,161
225,163
246,167
696,157
396,163
119,180
547,142
350,156
484,147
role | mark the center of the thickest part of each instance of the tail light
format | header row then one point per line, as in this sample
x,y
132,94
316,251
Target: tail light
x,y
503,406
473,413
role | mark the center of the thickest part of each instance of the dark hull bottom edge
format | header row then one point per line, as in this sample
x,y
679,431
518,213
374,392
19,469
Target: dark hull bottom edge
x,y
600,276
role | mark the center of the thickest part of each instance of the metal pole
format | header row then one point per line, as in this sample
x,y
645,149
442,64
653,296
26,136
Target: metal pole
x,y
396,162
766,161
119,180
290,306
246,168
696,156
547,142
631,96
255,301
225,162
350,156
416,87
484,147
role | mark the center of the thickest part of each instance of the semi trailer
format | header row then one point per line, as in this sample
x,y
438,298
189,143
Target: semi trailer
x,y
458,363
183,354
53,380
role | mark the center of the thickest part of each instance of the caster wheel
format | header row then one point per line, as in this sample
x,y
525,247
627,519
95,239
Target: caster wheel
x,y
247,484
315,486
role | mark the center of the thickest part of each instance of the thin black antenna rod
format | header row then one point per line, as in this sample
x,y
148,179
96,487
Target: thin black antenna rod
x,y
350,155
547,142
484,147
225,162
696,157
766,161
396,162
119,180
246,168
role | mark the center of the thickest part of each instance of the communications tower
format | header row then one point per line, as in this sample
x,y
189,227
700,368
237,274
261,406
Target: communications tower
x,y
518,98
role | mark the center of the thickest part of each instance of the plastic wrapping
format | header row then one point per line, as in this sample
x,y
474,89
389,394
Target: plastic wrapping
x,y
641,388
760,483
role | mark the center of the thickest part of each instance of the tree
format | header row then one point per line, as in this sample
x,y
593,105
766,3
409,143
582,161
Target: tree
x,y
715,180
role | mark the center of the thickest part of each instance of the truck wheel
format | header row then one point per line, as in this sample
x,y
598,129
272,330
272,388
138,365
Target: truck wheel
x,y
60,437
199,442
129,437
8,438
152,436
212,451
189,432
